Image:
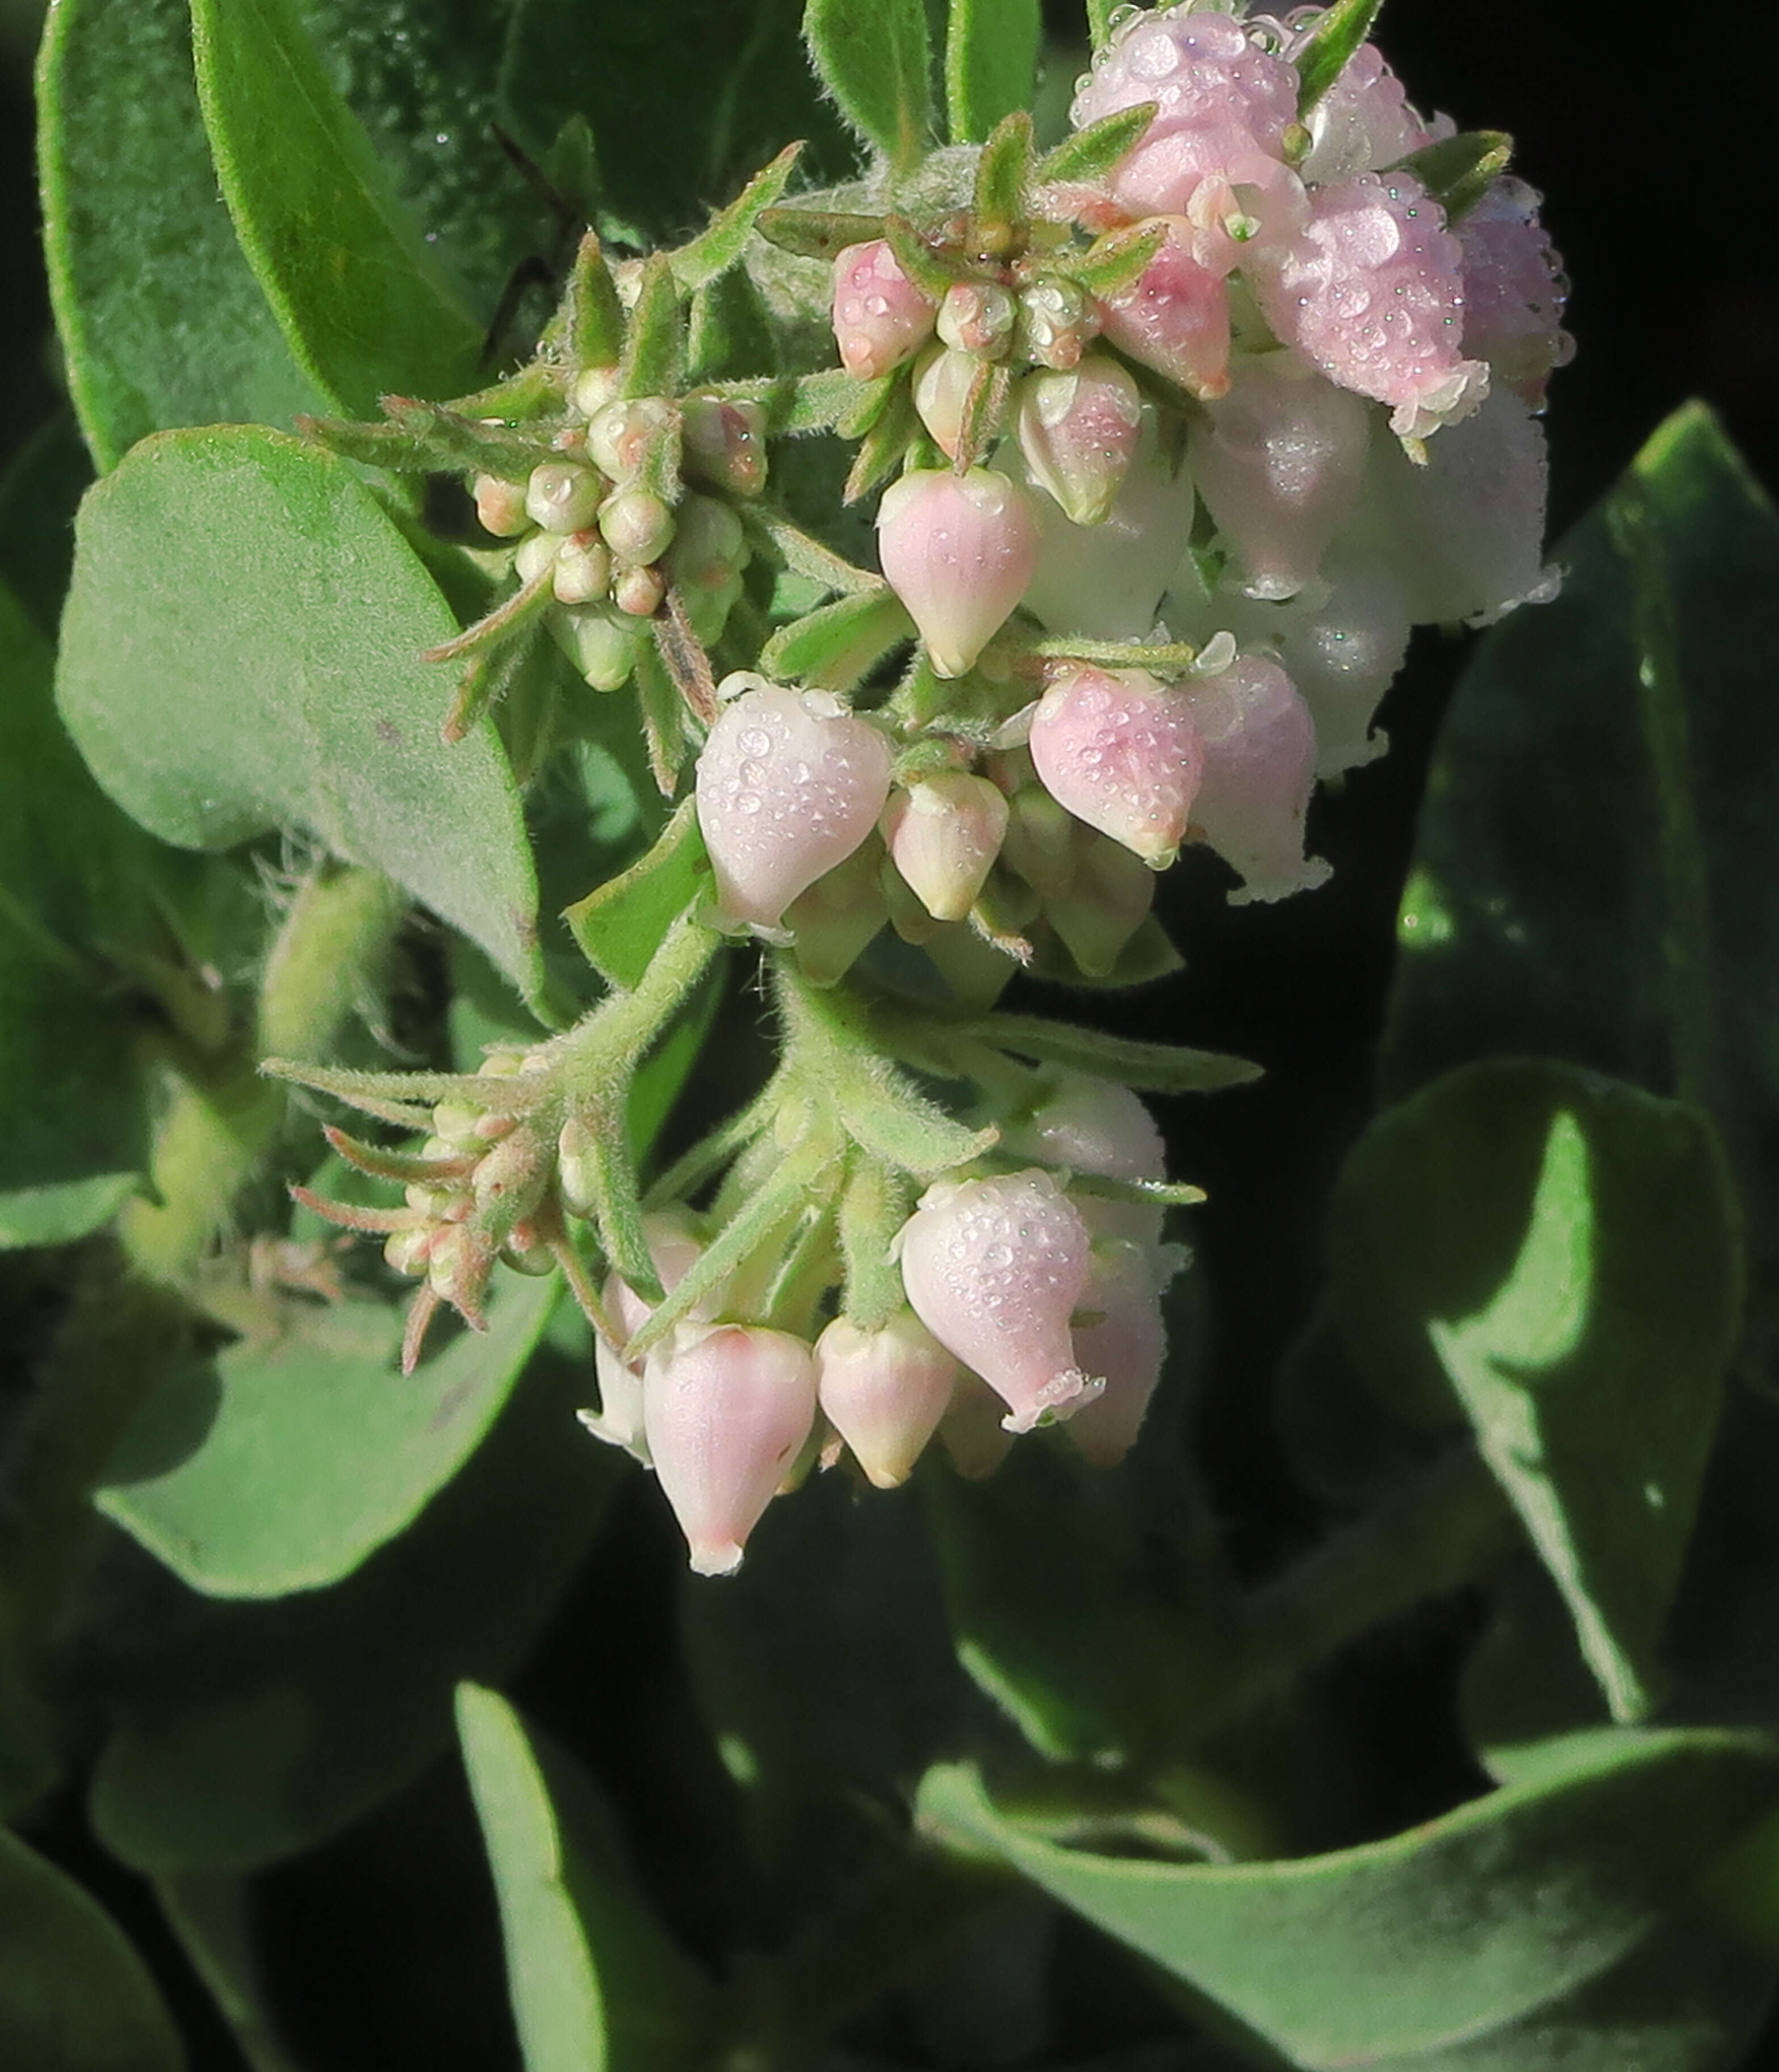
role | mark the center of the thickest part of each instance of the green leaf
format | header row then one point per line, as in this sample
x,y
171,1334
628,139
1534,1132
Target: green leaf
x,y
1096,149
362,305
825,1670
594,1980
1622,921
73,1113
875,59
1160,1068
161,318
244,1733
717,247
213,1917
685,98
1428,1948
1565,1253
74,1995
1323,57
620,924
358,1450
1066,1630
834,647
40,491
1458,171
991,63
265,672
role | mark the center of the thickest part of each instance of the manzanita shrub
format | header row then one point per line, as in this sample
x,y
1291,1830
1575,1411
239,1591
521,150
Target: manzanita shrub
x,y
562,901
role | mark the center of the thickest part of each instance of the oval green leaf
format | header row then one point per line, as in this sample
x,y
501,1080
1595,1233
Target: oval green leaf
x,y
240,651
876,60
362,305
1436,1939
1557,1257
74,1995
594,1980
283,1468
991,63
246,1732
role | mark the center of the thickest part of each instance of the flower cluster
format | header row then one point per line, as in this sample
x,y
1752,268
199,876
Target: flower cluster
x,y
1023,1298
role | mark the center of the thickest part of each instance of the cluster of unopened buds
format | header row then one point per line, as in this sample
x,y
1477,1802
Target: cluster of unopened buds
x,y
642,504
1179,428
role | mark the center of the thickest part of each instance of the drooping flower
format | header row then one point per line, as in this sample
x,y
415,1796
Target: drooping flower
x,y
1122,752
958,550
884,1391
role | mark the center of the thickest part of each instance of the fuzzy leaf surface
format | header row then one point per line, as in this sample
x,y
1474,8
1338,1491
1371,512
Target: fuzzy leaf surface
x,y
361,303
73,1113
991,63
74,1995
1433,1947
596,1984
246,1732
160,315
620,925
876,59
354,1450
217,695
1597,844
1561,1255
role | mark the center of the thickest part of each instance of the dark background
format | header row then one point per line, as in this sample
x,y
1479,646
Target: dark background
x,y
1646,150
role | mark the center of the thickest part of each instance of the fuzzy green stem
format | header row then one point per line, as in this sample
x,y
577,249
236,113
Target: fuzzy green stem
x,y
325,961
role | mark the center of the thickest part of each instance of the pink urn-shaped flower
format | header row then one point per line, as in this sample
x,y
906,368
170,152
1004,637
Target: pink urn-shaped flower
x,y
727,1408
674,1246
789,784
881,317
1123,1345
884,1391
1513,291
1122,752
1372,293
944,833
1259,770
958,550
1078,432
1174,316
995,1269
1277,461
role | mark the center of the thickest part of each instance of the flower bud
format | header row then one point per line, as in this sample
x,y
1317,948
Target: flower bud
x,y
1174,316
1039,846
726,1409
583,571
509,1183
724,443
637,525
881,317
600,642
958,550
621,436
500,507
977,317
640,592
1057,320
1078,432
407,1251
943,379
1094,1126
1277,461
995,1269
1124,1347
595,387
884,1391
789,784
537,555
944,833
1122,752
710,550
1259,769
674,1248
561,497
